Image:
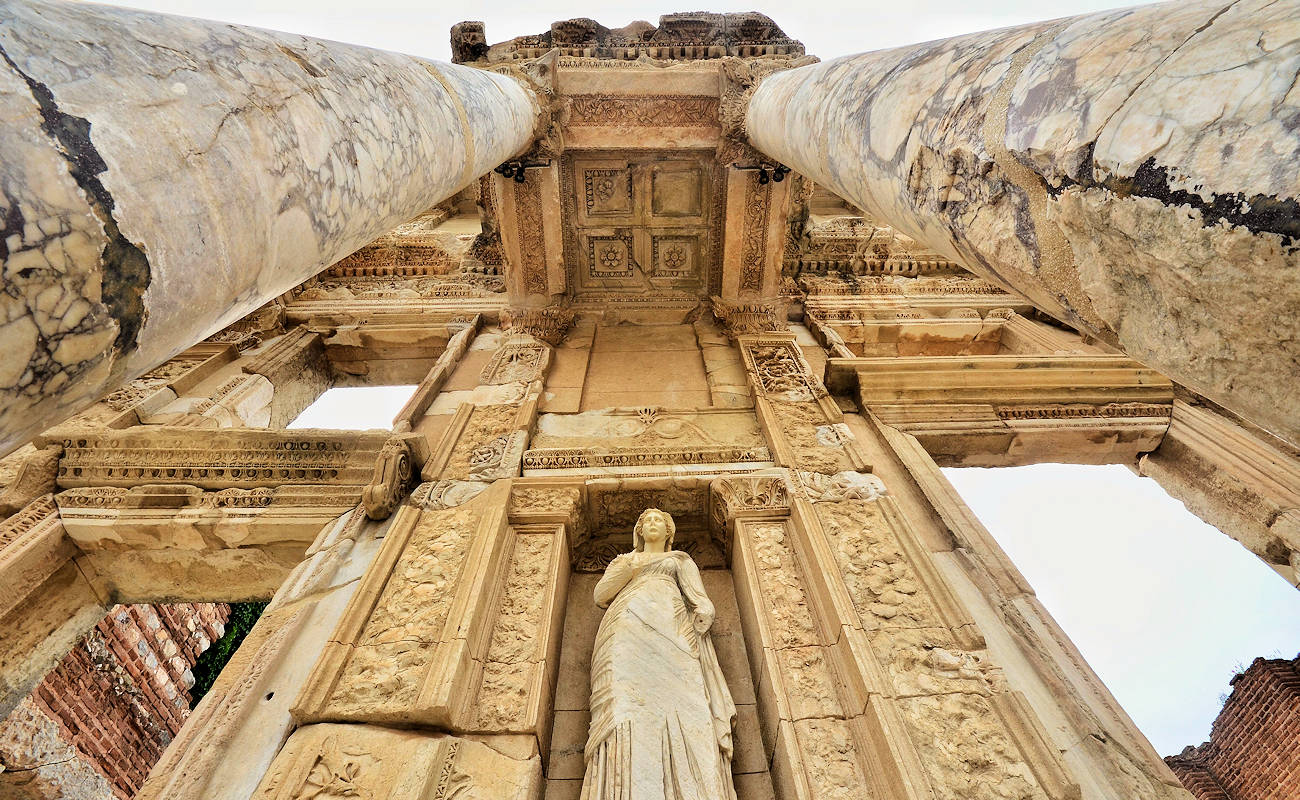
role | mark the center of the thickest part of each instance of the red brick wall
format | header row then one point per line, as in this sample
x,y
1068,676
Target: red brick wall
x,y
122,693
1254,747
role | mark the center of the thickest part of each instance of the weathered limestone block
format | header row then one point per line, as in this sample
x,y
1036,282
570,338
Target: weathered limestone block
x,y
1005,410
281,155
1234,479
322,761
244,719
33,545
38,763
41,628
1142,189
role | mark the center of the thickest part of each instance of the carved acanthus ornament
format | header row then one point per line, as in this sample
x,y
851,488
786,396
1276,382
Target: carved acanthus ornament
x,y
747,319
747,497
549,324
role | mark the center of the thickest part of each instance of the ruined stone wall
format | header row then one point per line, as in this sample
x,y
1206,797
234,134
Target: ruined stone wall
x,y
96,724
1254,747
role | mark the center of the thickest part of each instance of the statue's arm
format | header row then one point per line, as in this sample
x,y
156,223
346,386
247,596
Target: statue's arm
x,y
616,576
692,586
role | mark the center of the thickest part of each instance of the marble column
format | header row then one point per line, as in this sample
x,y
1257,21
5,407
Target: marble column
x,y
1131,172
161,177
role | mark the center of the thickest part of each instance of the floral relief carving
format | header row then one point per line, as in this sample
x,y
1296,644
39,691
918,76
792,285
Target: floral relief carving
x,y
386,666
532,237
753,257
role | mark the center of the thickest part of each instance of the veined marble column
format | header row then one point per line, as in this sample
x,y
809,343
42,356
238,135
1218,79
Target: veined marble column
x,y
1132,172
161,177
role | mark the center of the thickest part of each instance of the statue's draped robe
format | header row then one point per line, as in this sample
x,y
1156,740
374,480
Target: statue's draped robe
x,y
661,714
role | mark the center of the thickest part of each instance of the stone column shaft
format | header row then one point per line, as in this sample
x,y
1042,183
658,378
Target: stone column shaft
x,y
161,177
1131,172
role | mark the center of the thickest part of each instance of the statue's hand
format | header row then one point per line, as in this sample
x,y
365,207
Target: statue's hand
x,y
701,621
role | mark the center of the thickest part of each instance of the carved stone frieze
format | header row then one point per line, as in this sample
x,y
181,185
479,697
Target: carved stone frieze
x,y
642,111
576,458
680,37
331,762
516,362
216,459
542,502
780,369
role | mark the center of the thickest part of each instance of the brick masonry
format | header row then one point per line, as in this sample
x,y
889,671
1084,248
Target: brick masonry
x,y
93,728
1254,747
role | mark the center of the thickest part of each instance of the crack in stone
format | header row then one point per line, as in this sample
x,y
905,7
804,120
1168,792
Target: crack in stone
x,y
125,270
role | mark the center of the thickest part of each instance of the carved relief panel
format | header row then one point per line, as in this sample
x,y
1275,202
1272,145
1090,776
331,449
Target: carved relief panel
x,y
640,223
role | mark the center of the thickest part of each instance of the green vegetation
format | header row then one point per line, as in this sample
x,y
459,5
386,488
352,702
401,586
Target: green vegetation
x,y
242,618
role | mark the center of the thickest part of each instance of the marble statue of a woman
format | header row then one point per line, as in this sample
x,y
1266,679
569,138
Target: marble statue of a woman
x,y
661,714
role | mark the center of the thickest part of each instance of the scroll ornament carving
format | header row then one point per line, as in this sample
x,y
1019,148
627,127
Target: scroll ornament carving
x,y
532,238
753,256
392,476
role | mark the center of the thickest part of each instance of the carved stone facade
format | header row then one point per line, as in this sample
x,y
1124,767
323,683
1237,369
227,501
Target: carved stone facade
x,y
638,310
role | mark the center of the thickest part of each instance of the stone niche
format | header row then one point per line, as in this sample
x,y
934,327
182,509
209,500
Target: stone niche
x,y
612,508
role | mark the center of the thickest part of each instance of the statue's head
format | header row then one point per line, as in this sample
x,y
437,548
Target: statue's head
x,y
654,525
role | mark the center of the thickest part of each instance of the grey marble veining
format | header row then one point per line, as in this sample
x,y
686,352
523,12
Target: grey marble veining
x,y
161,176
1132,172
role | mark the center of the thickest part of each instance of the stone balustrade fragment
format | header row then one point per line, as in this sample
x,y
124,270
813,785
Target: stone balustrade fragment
x,y
1131,172
161,177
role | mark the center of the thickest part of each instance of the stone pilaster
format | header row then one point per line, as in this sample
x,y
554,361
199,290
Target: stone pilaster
x,y
172,177
1133,188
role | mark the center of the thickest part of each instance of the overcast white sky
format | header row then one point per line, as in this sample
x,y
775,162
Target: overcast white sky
x,y
1163,606
827,27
